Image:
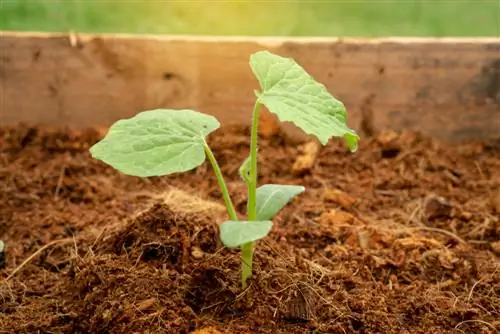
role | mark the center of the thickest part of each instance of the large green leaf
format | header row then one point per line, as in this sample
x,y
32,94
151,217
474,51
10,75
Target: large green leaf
x,y
236,233
271,198
294,96
156,142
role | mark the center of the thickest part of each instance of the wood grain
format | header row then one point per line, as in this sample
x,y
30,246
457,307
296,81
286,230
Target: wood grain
x,y
447,88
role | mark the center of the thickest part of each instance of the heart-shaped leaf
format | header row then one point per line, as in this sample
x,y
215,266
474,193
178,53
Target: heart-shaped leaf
x,y
271,198
294,96
236,233
156,142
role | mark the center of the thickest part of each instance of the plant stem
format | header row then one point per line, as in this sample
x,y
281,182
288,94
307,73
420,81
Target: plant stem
x,y
222,184
247,249
246,262
252,184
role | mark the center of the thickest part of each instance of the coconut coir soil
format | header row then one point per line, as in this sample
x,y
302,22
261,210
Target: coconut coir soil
x,y
400,237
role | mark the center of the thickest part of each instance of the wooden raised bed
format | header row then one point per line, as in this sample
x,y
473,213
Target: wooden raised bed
x,y
441,87
400,237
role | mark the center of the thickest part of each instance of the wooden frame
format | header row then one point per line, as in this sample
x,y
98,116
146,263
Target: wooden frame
x,y
447,88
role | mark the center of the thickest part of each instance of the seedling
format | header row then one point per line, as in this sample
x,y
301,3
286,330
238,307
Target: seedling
x,y
161,142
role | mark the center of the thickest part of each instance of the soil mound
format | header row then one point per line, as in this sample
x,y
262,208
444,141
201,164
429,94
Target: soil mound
x,y
401,237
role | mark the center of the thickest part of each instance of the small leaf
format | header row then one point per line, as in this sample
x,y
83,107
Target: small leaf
x,y
237,233
294,96
245,170
2,246
271,198
156,142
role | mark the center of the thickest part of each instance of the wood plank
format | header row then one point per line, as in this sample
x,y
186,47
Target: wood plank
x,y
447,88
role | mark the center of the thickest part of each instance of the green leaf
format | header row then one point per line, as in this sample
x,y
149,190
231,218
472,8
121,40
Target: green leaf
x,y
245,170
156,142
294,96
2,246
237,233
271,198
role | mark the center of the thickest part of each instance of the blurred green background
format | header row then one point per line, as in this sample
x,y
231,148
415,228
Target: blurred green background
x,y
279,18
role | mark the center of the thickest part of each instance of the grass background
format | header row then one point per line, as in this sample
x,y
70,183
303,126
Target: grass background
x,y
279,18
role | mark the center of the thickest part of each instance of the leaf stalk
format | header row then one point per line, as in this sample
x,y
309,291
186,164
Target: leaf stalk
x,y
247,249
222,184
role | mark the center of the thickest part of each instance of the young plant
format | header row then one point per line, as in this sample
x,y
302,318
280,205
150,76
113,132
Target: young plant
x,y
161,142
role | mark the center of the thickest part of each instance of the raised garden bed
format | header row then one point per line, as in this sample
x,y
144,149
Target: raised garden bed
x,y
400,237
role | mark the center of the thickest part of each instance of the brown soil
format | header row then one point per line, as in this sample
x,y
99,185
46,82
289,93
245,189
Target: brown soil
x,y
400,237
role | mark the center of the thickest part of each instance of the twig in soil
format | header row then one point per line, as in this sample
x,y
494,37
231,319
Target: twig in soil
x,y
403,155
473,286
480,170
472,289
412,218
480,230
390,193
244,292
59,182
414,213
211,306
438,230
318,267
478,242
284,289
277,308
35,254
480,321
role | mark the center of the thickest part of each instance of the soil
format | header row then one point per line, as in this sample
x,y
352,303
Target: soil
x,y
400,237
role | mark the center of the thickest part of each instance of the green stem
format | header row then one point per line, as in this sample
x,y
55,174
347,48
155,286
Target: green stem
x,y
252,184
222,184
246,263
247,249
